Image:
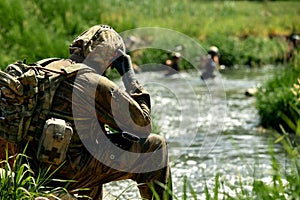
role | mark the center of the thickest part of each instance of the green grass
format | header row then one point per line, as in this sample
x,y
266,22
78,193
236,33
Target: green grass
x,y
35,29
20,182
275,100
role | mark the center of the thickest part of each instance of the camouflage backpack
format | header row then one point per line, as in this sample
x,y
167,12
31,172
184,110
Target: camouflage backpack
x,y
26,94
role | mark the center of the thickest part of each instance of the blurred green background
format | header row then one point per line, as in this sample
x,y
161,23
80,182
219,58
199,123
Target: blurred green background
x,y
243,30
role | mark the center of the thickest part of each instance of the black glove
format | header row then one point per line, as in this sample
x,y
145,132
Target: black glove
x,y
122,63
124,66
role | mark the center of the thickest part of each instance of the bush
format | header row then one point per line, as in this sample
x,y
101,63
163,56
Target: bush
x,y
276,98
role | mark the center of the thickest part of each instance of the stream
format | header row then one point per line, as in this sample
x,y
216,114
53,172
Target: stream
x,y
211,127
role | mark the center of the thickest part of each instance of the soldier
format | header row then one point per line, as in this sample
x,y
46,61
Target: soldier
x,y
173,64
96,108
210,63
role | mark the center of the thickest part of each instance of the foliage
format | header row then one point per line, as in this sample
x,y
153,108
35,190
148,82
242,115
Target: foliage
x,y
20,181
36,29
278,97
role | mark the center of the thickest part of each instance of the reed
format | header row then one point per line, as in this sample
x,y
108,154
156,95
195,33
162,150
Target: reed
x,y
19,181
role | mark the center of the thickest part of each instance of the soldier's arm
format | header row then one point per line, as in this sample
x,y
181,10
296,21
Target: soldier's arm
x,y
121,110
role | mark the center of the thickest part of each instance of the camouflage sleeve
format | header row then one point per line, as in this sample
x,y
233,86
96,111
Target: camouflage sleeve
x,y
126,111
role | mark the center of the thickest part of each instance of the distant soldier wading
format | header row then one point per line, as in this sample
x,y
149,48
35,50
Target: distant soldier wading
x,y
98,132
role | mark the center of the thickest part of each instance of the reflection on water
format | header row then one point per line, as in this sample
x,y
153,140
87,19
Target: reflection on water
x,y
210,127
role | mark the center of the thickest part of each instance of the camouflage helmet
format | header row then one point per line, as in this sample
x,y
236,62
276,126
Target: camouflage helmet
x,y
98,35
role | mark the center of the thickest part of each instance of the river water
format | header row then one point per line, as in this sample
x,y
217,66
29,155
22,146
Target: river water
x,y
211,127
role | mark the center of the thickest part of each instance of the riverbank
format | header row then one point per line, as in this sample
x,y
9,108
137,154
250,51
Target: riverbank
x,y
244,30
278,101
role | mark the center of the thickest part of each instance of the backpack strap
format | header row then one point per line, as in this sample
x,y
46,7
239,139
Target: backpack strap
x,y
47,61
26,95
53,71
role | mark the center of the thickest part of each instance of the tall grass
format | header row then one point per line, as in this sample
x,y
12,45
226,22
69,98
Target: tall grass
x,y
19,181
275,99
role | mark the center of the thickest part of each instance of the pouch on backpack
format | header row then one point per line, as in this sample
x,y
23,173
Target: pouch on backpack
x,y
26,95
54,142
18,95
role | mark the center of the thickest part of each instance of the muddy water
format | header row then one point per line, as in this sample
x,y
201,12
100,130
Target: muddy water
x,y
211,127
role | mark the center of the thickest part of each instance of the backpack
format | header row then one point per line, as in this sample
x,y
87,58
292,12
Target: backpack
x,y
26,94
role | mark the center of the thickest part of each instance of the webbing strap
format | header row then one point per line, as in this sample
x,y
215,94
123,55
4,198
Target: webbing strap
x,y
47,87
47,61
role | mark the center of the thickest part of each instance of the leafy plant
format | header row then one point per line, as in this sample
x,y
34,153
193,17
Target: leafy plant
x,y
275,100
20,182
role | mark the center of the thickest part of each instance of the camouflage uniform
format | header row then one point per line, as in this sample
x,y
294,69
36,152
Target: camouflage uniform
x,y
100,102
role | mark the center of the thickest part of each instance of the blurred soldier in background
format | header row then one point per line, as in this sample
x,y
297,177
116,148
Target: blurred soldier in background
x,y
173,63
210,63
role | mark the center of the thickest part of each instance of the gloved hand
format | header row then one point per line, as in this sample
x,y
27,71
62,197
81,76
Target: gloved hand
x,y
124,66
122,63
